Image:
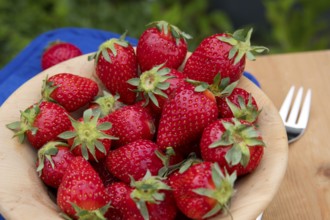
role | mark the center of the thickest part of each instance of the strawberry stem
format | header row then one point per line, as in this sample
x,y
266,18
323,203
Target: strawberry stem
x,y
109,45
152,82
107,103
147,190
239,137
221,87
247,112
26,122
88,134
240,40
171,30
97,214
222,192
48,88
47,151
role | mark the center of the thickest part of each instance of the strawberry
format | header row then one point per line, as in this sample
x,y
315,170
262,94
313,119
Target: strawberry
x,y
58,52
115,63
113,214
203,190
221,53
149,198
185,115
157,84
89,136
131,123
53,159
69,90
164,43
120,200
41,123
239,104
134,159
234,144
82,194
101,168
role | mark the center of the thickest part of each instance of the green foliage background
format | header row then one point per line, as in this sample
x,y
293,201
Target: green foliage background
x,y
292,25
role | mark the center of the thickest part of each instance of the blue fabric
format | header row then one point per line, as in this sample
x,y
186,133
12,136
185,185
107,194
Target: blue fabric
x,y
252,78
28,63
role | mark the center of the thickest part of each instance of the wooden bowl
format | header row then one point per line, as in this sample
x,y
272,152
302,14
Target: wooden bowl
x,y
22,193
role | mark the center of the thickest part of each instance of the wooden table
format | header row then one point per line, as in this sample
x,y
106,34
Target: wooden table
x,y
305,191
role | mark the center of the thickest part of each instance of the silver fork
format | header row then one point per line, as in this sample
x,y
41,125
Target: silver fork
x,y
295,121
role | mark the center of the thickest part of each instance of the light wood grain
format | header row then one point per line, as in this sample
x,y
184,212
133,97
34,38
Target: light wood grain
x,y
23,194
305,191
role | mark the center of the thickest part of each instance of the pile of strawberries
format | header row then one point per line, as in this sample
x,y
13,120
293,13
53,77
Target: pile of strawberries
x,y
161,141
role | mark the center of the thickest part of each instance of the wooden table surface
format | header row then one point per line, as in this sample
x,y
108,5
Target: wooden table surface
x,y
305,190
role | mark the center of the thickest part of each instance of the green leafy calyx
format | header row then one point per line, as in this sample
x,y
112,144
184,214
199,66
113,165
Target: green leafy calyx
x,y
247,112
88,134
109,45
46,152
222,192
239,137
169,29
221,87
47,89
26,123
107,103
97,214
181,166
165,158
240,40
152,82
148,190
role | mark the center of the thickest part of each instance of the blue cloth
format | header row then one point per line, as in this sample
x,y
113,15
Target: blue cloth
x,y
252,78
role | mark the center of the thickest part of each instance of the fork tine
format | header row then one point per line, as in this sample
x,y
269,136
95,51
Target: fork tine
x,y
286,104
295,108
304,115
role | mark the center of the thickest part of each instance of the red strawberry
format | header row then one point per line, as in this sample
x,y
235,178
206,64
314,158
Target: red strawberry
x,y
221,53
58,52
134,159
101,168
69,90
202,191
234,144
157,84
82,193
114,214
149,198
53,159
90,136
131,123
115,63
184,117
164,43
41,123
120,200
239,104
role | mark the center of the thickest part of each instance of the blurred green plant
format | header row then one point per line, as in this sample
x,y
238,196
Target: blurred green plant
x,y
23,20
298,25
295,24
